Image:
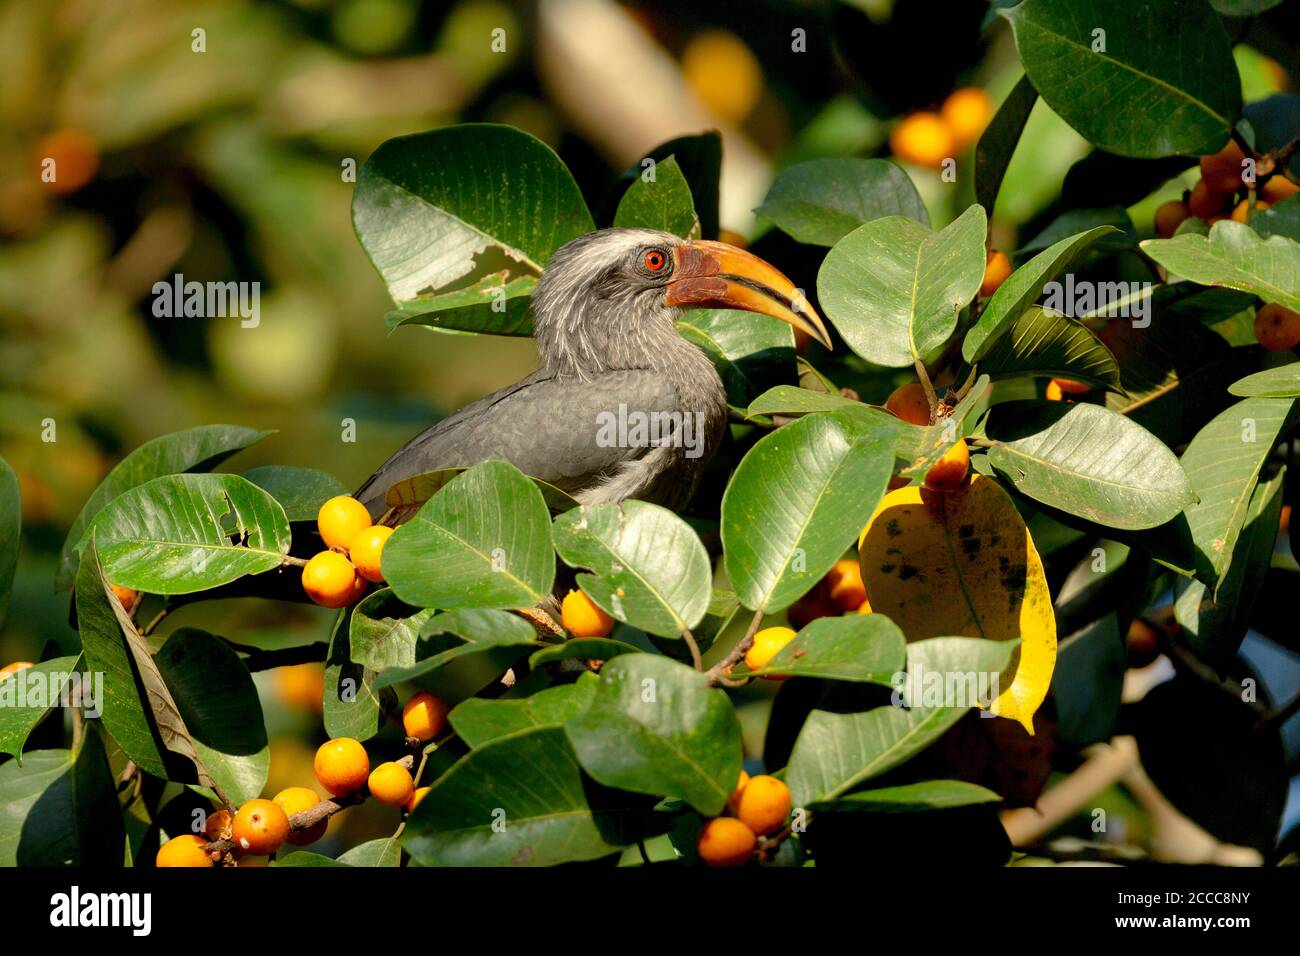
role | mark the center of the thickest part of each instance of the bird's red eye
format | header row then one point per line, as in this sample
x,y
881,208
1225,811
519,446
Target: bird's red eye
x,y
654,260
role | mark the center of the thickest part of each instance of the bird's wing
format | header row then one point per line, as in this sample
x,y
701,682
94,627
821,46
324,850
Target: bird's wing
x,y
544,426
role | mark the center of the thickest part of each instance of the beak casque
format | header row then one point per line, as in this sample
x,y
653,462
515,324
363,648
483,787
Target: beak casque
x,y
714,275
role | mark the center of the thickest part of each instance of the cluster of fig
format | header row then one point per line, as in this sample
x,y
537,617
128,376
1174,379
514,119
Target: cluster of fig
x,y
758,807
928,138
260,827
339,576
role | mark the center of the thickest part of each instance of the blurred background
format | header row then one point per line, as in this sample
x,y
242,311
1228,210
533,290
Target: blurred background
x,y
215,139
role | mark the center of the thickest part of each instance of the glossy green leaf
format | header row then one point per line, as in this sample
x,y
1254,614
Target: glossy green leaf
x,y
454,634
351,706
484,540
1158,78
998,143
914,797
542,818
1041,342
385,630
893,288
751,352
796,502
27,696
584,648
664,203
650,569
855,647
1280,382
194,449
1280,219
384,852
657,727
1022,288
822,200
793,400
300,491
477,720
184,533
1088,461
496,304
59,808
1234,256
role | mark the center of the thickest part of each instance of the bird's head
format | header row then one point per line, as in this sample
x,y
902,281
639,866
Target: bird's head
x,y
608,299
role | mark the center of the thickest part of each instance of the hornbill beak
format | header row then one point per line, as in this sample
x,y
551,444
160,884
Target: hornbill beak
x,y
714,275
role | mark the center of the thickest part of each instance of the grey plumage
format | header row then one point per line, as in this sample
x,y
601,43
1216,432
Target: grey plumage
x,y
605,338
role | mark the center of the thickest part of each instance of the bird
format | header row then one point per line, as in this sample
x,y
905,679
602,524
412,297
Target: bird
x,y
604,322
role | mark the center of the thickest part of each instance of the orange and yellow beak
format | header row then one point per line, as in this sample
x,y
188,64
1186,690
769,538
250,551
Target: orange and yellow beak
x,y
714,275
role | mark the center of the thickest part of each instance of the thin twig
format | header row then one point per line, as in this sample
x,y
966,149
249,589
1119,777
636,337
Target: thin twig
x,y
717,674
924,376
158,619
689,638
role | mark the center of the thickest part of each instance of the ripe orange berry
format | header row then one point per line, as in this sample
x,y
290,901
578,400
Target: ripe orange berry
x,y
11,669
725,841
1143,643
75,156
260,827
909,403
1070,387
1222,170
1278,188
1206,201
425,716
1277,328
846,587
1242,210
764,805
416,796
126,597
582,617
187,850
967,111
864,607
923,138
301,686
366,550
950,471
767,643
391,783
342,765
340,520
1170,216
996,270
740,786
331,581
217,825
294,800
1054,391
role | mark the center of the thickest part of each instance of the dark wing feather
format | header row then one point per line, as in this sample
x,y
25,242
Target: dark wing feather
x,y
544,426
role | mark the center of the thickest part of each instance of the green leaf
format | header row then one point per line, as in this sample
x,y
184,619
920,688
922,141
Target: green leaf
x,y
837,752
385,630
454,634
484,540
1233,255
1164,83
1074,221
663,204
750,351
1282,219
792,400
893,288
194,449
1214,620
351,707
27,696
914,797
855,647
11,523
700,159
384,852
184,533
823,200
651,571
431,208
416,490
1223,463
1280,382
657,727
300,491
300,858
796,502
998,143
1042,342
478,721
584,648
1088,461
1021,289
1088,683
1243,8
468,818
218,703
59,808
496,304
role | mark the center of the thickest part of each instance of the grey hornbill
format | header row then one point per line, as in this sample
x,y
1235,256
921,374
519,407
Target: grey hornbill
x,y
604,316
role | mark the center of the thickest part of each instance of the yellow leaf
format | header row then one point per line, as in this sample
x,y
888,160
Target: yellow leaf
x,y
962,564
